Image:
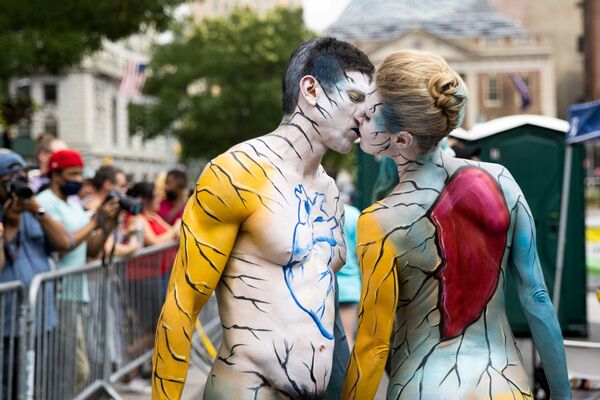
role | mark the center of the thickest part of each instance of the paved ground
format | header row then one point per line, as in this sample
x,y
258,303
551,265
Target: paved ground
x,y
196,376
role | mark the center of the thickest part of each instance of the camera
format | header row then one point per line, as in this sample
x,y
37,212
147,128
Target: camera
x,y
19,186
131,205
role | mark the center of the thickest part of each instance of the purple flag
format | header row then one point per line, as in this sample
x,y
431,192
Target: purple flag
x,y
523,90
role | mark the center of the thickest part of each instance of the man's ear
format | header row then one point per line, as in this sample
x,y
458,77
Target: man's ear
x,y
310,89
403,139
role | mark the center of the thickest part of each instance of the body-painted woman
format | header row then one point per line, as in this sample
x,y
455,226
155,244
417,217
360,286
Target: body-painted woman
x,y
434,255
264,232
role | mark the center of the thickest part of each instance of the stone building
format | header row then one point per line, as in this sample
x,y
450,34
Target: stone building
x,y
561,22
492,52
84,108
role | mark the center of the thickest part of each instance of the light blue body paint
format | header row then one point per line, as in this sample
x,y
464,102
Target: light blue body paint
x,y
314,228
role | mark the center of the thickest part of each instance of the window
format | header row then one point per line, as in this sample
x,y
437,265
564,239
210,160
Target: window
x,y
51,125
50,95
24,92
493,92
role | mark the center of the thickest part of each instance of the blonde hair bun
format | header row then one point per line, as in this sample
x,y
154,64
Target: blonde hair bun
x,y
447,90
422,95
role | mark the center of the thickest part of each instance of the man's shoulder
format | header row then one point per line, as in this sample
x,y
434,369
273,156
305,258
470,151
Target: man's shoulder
x,y
46,195
48,199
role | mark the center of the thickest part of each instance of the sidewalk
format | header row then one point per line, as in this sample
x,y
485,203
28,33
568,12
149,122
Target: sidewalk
x,y
193,390
194,386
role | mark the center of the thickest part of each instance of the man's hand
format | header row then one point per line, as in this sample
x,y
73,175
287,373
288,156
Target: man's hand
x,y
21,205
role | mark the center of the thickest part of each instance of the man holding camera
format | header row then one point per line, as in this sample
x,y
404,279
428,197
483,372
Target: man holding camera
x,y
86,236
28,236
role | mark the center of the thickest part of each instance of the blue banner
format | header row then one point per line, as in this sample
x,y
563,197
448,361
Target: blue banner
x,y
584,120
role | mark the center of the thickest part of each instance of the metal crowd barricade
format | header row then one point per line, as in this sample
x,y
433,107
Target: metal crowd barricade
x,y
66,333
139,286
12,331
89,326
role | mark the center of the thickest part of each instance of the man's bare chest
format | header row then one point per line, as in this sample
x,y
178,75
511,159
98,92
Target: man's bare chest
x,y
306,227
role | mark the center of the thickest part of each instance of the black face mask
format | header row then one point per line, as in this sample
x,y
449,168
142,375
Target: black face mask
x,y
171,195
69,188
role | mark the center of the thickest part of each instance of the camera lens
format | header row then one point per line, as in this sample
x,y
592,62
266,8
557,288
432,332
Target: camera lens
x,y
20,188
132,205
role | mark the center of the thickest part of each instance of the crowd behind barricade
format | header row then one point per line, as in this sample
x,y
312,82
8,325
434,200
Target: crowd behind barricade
x,y
58,215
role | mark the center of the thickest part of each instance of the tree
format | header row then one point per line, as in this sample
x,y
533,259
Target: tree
x,y
51,35
221,83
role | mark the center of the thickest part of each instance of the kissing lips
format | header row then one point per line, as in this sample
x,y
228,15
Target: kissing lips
x,y
357,132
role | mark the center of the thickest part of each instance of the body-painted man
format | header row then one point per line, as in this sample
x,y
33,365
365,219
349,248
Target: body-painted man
x,y
435,252
264,232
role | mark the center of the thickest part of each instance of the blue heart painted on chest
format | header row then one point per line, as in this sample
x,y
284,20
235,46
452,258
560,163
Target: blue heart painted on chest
x,y
308,274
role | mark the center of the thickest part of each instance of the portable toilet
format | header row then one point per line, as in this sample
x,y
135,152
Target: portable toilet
x,y
532,148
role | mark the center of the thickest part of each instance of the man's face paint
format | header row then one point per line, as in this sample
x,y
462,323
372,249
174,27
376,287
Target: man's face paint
x,y
373,136
340,107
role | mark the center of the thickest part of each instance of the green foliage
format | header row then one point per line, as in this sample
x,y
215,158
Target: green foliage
x,y
47,36
51,35
220,84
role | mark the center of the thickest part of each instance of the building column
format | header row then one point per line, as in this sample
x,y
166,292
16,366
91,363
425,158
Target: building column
x,y
548,89
473,103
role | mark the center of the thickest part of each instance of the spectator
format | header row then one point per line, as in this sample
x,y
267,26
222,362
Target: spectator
x,y
150,275
106,179
156,229
176,195
86,236
87,191
348,277
46,144
27,236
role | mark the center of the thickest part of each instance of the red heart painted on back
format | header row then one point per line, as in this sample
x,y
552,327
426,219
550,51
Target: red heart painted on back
x,y
472,221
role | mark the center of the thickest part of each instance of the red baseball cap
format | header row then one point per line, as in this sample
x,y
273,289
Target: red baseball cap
x,y
63,159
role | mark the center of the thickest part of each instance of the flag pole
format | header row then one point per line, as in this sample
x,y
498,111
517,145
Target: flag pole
x,y
562,227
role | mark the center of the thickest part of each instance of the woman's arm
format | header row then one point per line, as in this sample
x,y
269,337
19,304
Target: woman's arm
x,y
377,259
534,297
150,238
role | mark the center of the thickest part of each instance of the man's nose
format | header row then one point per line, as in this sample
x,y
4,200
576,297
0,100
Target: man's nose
x,y
359,116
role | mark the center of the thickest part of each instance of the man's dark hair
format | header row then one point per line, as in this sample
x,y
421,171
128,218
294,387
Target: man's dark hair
x,y
142,190
105,172
327,59
178,175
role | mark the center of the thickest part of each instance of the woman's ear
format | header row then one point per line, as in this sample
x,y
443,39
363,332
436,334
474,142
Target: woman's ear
x,y
309,89
403,139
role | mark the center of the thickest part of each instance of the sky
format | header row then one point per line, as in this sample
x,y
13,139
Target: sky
x,y
319,14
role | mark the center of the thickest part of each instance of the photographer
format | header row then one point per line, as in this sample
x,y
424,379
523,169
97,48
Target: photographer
x,y
109,182
27,237
86,237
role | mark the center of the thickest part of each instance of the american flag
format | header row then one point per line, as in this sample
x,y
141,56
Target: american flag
x,y
133,79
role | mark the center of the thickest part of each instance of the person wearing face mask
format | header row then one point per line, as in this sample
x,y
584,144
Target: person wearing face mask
x,y
28,236
86,236
176,195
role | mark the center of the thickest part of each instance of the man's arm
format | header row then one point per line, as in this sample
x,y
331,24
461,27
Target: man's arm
x,y
534,297
225,196
377,259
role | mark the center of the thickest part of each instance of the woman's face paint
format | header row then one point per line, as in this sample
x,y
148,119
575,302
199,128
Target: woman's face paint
x,y
373,136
